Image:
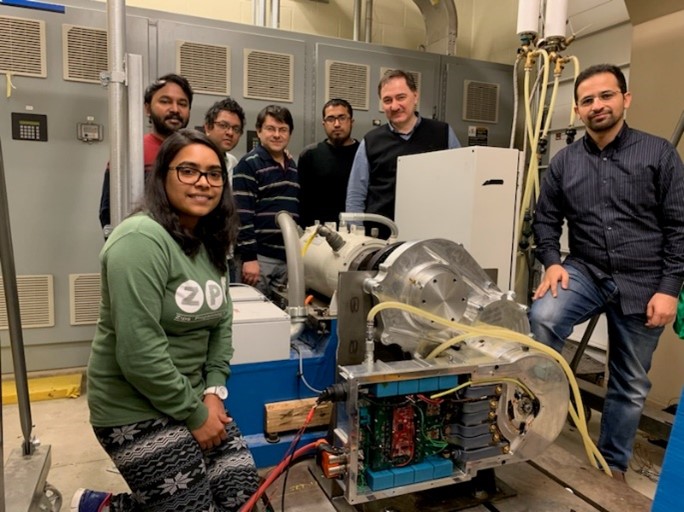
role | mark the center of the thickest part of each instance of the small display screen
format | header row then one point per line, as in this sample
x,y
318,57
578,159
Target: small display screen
x,y
29,127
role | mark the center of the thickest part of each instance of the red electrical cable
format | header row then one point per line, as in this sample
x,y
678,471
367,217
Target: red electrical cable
x,y
277,471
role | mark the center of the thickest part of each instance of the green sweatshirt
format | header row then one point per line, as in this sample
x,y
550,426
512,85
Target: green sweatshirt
x,y
164,332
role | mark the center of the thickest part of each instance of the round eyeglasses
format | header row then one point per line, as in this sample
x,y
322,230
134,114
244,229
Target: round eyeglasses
x,y
191,175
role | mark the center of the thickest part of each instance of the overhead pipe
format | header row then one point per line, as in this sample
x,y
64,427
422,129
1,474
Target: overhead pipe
x,y
259,12
275,13
441,25
357,20
369,21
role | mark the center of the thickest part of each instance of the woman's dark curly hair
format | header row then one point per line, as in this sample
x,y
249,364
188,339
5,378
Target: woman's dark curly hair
x,y
217,231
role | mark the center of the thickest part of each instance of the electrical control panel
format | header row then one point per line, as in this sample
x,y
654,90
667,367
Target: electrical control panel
x,y
407,426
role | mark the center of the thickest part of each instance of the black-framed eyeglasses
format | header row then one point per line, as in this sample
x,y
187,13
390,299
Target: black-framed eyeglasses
x,y
343,118
191,175
605,97
235,128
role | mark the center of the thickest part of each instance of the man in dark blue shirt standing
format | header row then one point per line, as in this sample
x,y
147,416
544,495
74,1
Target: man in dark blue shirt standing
x,y
621,192
265,182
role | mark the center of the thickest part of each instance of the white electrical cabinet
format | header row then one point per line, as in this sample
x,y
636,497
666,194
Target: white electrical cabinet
x,y
261,330
467,195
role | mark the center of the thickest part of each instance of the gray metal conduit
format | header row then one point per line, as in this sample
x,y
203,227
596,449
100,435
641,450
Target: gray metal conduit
x,y
357,20
369,22
9,279
116,90
295,273
372,217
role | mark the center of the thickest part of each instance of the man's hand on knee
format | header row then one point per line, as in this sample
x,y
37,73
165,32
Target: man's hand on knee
x,y
553,275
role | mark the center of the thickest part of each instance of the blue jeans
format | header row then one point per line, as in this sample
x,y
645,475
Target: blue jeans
x,y
272,274
630,348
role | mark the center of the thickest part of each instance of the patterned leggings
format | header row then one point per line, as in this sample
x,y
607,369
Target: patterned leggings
x,y
168,472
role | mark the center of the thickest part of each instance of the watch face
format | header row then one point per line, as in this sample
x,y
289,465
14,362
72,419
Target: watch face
x,y
219,391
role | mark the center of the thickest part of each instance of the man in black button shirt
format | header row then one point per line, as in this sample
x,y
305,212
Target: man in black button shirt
x,y
621,192
324,167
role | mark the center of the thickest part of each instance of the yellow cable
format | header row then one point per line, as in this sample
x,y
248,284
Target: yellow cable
x,y
306,245
506,334
575,62
452,390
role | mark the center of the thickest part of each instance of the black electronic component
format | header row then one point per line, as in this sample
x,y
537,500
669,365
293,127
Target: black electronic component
x,y
31,127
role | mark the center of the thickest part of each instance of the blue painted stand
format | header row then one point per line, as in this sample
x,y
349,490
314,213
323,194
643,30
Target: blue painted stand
x,y
253,385
668,495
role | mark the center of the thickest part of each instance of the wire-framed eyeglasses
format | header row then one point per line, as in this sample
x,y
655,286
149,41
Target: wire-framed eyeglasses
x,y
235,128
343,118
604,97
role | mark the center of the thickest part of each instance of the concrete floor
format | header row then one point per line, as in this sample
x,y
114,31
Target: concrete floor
x,y
79,461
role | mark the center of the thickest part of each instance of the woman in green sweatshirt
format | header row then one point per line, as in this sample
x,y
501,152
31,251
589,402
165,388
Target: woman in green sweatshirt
x,y
161,353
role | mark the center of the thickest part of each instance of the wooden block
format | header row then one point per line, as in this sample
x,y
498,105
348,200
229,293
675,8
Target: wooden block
x,y
290,415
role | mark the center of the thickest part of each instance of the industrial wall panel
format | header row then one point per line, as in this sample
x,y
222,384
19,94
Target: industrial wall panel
x,y
54,186
237,38
378,59
489,86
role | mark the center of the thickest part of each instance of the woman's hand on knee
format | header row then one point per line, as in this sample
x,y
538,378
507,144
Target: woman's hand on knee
x,y
213,431
553,275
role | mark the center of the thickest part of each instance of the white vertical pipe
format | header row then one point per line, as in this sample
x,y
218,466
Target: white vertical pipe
x,y
555,19
357,20
369,21
116,37
259,12
528,17
136,170
275,13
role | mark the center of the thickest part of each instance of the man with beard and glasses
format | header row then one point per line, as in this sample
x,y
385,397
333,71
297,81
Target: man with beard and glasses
x,y
621,192
324,167
167,105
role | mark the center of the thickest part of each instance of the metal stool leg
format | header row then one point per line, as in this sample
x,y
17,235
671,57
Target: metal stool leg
x,y
583,343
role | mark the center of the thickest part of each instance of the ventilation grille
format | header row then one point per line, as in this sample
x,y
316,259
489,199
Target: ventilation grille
x,y
22,47
206,66
480,102
347,81
85,53
84,298
36,302
268,76
417,78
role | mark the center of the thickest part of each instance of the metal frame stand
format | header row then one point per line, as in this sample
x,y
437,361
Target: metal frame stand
x,y
23,481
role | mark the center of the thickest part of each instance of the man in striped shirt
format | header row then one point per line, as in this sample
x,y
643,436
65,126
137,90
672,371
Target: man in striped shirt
x,y
621,192
265,182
